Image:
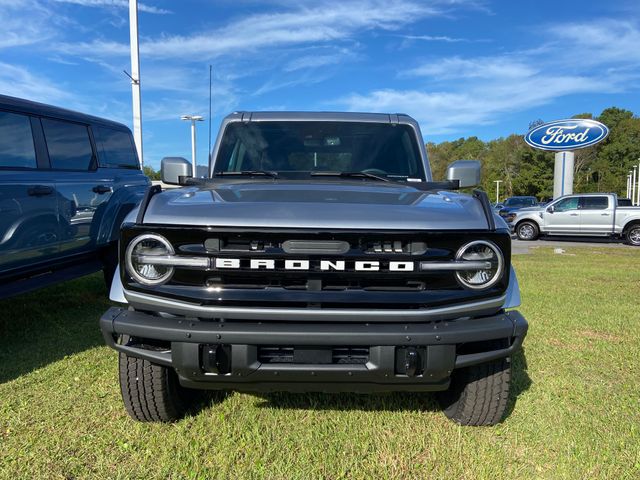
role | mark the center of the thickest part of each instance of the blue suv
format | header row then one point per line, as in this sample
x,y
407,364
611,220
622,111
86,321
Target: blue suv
x,y
67,180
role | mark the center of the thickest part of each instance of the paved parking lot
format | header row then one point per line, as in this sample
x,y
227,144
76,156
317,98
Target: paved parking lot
x,y
520,247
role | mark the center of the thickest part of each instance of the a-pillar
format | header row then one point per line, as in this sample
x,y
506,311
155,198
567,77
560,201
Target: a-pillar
x,y
563,174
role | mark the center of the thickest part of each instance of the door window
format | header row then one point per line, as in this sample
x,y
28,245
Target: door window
x,y
566,204
594,203
16,141
115,148
68,143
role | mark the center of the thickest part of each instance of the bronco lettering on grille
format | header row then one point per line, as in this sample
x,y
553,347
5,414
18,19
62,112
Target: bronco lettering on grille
x,y
322,265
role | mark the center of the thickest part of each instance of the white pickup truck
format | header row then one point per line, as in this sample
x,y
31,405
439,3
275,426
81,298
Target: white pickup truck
x,y
585,214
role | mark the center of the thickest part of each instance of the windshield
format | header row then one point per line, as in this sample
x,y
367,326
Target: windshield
x,y
520,202
294,148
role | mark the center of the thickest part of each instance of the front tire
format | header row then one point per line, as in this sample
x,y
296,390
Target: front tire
x,y
478,394
632,236
527,231
152,393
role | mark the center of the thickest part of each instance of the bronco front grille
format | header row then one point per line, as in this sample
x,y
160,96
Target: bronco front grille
x,y
236,283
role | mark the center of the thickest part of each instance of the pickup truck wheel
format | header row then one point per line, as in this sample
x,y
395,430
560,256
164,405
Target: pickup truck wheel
x,y
527,231
152,393
478,394
633,235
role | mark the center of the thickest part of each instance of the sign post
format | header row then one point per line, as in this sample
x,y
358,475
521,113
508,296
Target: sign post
x,y
562,137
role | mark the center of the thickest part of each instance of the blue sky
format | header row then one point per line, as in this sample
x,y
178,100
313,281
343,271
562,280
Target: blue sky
x,y
462,68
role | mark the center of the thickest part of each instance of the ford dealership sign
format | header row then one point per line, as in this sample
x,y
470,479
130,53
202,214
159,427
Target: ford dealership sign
x,y
564,135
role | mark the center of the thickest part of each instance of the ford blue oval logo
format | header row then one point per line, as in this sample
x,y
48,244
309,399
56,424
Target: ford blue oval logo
x,y
567,134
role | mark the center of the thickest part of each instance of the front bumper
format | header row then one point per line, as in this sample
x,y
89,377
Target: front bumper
x,y
400,356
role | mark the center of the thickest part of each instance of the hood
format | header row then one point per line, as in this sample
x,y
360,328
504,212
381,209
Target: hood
x,y
323,205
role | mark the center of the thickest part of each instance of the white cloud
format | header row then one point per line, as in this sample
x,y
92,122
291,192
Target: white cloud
x,y
19,82
142,7
447,112
435,38
25,22
303,25
454,93
482,67
604,41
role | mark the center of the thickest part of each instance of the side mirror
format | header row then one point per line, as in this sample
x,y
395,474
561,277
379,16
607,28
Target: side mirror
x,y
174,170
466,172
551,209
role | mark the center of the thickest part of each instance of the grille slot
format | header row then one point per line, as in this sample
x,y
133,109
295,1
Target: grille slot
x,y
339,355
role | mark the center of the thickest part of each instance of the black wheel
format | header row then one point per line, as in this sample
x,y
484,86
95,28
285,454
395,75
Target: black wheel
x,y
527,230
632,235
109,264
152,393
478,394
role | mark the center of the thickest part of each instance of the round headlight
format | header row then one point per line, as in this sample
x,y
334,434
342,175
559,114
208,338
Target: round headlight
x,y
137,259
483,252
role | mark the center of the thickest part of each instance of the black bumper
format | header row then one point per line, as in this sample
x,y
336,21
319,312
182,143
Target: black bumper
x,y
399,356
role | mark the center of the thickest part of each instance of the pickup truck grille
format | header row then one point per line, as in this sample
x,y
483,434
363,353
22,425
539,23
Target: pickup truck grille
x,y
345,269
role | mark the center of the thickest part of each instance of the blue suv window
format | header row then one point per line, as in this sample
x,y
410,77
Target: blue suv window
x,y
16,141
115,148
68,143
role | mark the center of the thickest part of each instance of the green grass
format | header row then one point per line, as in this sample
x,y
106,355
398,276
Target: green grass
x,y
575,409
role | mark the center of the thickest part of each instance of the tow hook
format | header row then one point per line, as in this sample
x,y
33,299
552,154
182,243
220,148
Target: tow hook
x,y
216,359
411,362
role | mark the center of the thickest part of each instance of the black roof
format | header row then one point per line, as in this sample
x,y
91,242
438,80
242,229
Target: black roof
x,y
35,108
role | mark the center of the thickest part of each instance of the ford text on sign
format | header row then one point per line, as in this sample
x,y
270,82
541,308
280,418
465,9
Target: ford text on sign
x,y
567,134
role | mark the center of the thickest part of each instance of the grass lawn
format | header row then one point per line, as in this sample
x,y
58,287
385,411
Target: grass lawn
x,y
575,408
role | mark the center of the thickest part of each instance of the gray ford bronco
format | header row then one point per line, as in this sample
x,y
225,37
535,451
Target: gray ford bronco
x,y
318,255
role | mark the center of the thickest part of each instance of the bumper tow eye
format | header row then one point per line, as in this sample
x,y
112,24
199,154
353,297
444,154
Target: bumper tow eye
x,y
411,362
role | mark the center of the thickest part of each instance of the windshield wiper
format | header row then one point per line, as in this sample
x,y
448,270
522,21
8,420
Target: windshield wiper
x,y
350,174
266,173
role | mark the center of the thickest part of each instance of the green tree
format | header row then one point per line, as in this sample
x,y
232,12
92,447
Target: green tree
x,y
151,173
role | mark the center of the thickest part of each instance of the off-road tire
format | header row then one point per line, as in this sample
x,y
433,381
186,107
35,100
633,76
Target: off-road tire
x,y
478,395
152,393
632,235
531,228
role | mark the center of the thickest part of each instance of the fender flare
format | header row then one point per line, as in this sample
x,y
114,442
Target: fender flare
x,y
513,291
116,294
121,203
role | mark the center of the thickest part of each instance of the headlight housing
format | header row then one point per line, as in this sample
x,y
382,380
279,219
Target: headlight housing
x,y
483,251
144,246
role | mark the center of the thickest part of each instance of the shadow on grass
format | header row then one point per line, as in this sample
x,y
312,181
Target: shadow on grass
x,y
520,380
44,326
390,402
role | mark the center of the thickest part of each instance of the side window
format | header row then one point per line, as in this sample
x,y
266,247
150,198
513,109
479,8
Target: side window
x,y
567,204
594,203
68,143
115,148
16,141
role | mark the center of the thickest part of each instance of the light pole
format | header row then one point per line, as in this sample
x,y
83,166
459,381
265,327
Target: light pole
x,y
497,182
638,187
629,187
135,77
193,119
633,186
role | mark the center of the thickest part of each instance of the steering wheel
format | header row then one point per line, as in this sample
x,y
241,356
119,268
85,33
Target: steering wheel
x,y
374,171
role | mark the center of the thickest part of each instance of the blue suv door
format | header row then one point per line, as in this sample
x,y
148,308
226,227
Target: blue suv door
x,y
29,228
83,189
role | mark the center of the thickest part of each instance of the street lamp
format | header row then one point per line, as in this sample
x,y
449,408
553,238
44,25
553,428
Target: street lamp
x,y
497,182
633,186
193,119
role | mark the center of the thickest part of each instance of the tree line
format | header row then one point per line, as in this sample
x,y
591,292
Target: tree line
x,y
527,171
